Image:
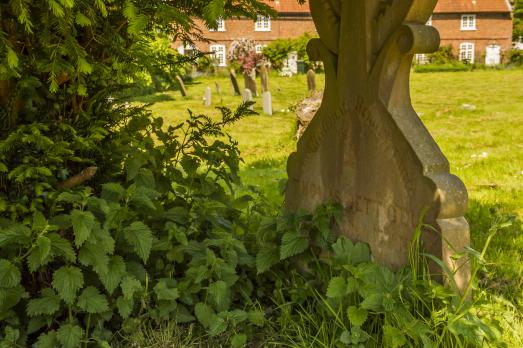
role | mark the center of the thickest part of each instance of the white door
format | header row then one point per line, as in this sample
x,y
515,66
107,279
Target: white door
x,y
493,56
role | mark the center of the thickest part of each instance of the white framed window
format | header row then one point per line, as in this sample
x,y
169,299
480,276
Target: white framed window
x,y
262,24
259,48
220,25
468,22
421,58
466,52
219,54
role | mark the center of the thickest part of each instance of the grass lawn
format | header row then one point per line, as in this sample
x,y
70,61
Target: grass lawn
x,y
476,117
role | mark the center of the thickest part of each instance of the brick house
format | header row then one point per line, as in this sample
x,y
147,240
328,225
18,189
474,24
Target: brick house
x,y
293,21
479,31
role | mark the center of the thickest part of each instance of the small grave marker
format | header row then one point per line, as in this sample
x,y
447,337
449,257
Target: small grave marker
x,y
208,97
267,103
311,81
234,82
247,96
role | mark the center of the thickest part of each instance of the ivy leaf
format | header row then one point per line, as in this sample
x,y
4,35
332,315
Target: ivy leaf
x,y
48,304
83,223
91,301
268,256
125,306
337,288
67,280
115,272
70,335
220,294
357,316
130,285
293,243
205,314
9,274
140,237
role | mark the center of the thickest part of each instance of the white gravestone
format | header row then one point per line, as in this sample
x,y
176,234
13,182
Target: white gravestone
x,y
207,99
267,103
292,62
247,96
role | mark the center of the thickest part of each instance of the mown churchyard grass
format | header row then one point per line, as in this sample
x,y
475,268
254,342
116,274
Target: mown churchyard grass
x,y
476,118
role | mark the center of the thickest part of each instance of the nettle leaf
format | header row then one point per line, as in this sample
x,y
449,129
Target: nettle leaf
x,y
357,316
91,301
112,192
94,255
373,302
9,297
70,335
40,254
39,222
220,294
67,280
337,288
348,253
164,292
238,341
268,256
83,224
47,304
218,327
47,340
61,247
293,243
15,234
115,272
125,306
257,317
9,274
205,314
140,237
393,337
130,285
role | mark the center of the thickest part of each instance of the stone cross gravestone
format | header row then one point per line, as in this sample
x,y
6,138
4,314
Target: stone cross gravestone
x,y
247,96
207,99
366,147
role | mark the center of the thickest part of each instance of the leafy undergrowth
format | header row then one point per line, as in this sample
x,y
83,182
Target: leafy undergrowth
x,y
163,247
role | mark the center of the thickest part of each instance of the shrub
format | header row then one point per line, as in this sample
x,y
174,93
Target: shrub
x,y
278,50
515,57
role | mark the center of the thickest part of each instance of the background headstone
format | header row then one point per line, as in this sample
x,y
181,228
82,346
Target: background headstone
x,y
250,81
264,76
247,96
267,103
367,149
207,99
311,81
292,62
181,84
219,91
234,82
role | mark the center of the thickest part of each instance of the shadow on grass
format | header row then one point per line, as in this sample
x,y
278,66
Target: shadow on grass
x,y
153,98
504,256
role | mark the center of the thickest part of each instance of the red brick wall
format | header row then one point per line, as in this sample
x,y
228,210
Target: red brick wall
x,y
491,29
283,28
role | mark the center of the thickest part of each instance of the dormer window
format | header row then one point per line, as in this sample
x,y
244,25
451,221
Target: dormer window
x,y
220,25
468,22
263,24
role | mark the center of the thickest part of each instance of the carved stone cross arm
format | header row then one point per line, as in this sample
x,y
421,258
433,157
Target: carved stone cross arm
x,y
366,148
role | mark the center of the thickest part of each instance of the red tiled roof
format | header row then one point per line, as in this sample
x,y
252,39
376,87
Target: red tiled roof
x,y
472,6
289,6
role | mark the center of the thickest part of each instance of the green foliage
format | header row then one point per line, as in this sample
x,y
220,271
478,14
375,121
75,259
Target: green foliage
x,y
278,50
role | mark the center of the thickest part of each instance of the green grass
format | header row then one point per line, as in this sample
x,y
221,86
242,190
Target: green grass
x,y
484,147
